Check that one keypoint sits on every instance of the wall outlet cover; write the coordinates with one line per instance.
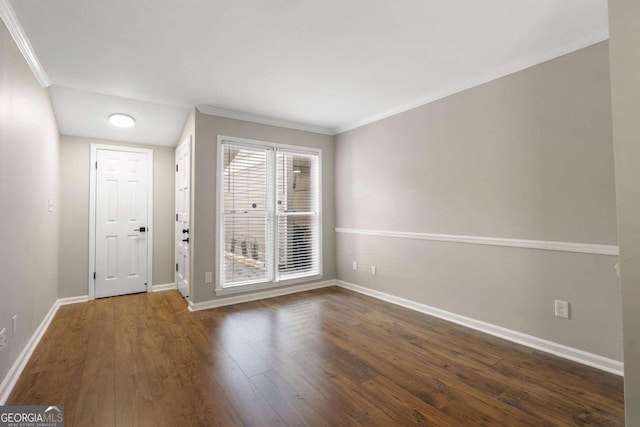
(562, 309)
(208, 277)
(3, 338)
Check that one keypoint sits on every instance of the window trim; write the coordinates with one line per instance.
(219, 246)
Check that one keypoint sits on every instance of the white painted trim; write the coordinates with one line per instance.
(254, 296)
(92, 210)
(73, 300)
(494, 74)
(187, 141)
(574, 354)
(10, 19)
(18, 366)
(256, 143)
(271, 121)
(584, 248)
(219, 246)
(10, 380)
(91, 290)
(164, 287)
(251, 287)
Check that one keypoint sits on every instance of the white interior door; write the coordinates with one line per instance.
(183, 205)
(121, 221)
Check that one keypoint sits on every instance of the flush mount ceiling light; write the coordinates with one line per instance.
(122, 120)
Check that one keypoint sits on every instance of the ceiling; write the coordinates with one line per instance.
(329, 65)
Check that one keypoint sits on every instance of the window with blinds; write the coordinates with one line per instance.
(269, 214)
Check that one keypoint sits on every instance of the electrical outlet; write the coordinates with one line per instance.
(3, 338)
(14, 325)
(373, 270)
(562, 309)
(208, 277)
(355, 265)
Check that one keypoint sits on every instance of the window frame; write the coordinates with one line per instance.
(276, 280)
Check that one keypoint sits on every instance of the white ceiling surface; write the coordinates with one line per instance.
(83, 113)
(330, 63)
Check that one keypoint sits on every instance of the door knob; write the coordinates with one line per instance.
(185, 230)
(141, 229)
(186, 240)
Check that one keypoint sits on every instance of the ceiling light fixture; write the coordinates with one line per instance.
(122, 120)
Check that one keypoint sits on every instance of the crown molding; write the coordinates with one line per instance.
(502, 71)
(238, 115)
(10, 19)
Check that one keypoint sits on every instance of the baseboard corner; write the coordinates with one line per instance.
(163, 287)
(72, 300)
(258, 295)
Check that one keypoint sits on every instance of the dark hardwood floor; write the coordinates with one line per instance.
(327, 358)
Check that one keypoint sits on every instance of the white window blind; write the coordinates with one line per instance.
(270, 214)
(297, 213)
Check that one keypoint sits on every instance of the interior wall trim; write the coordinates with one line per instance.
(496, 73)
(10, 19)
(254, 296)
(583, 248)
(570, 353)
(163, 287)
(10, 380)
(255, 118)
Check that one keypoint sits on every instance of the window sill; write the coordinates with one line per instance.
(267, 285)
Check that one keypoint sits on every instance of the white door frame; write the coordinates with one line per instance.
(92, 211)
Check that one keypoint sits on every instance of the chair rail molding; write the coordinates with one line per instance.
(584, 248)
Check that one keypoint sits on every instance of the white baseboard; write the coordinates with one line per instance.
(165, 287)
(254, 296)
(574, 354)
(72, 300)
(10, 380)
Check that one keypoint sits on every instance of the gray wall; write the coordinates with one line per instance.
(207, 129)
(75, 155)
(624, 17)
(28, 177)
(527, 156)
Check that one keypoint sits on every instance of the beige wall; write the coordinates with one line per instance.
(207, 129)
(75, 154)
(624, 17)
(28, 178)
(527, 156)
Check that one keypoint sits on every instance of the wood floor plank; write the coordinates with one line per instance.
(328, 357)
(250, 405)
(291, 405)
(133, 401)
(95, 404)
(402, 406)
